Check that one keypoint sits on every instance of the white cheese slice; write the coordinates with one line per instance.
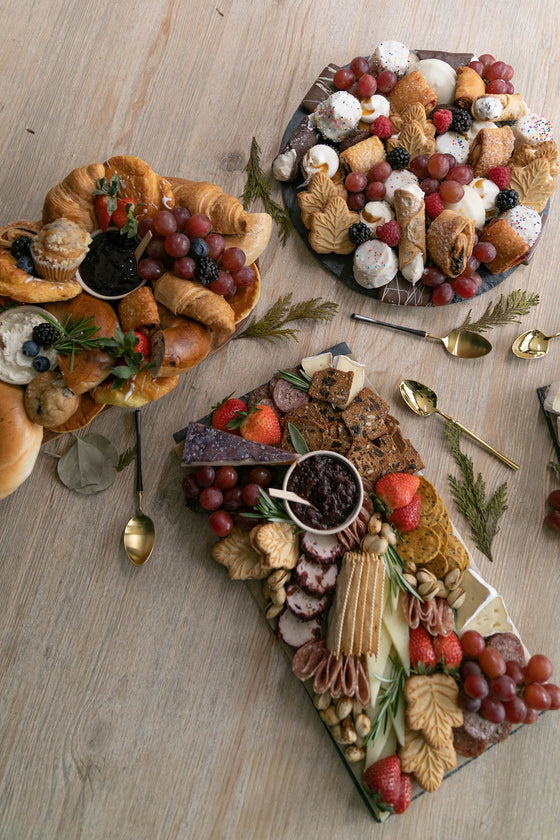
(385, 744)
(312, 364)
(395, 624)
(347, 364)
(552, 401)
(490, 618)
(398, 721)
(477, 592)
(379, 665)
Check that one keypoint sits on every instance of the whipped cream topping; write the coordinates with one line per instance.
(376, 213)
(320, 158)
(487, 107)
(476, 126)
(454, 144)
(440, 76)
(391, 55)
(399, 179)
(283, 165)
(533, 129)
(414, 270)
(375, 264)
(375, 106)
(487, 191)
(338, 115)
(526, 222)
(471, 206)
(16, 326)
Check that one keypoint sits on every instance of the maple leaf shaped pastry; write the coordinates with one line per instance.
(427, 764)
(525, 153)
(320, 191)
(236, 553)
(534, 183)
(414, 139)
(432, 707)
(329, 229)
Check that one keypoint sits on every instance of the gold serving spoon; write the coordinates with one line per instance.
(532, 344)
(423, 401)
(140, 531)
(465, 344)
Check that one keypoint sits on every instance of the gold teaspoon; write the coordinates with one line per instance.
(423, 401)
(140, 531)
(465, 344)
(532, 344)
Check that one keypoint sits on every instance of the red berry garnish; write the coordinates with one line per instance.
(389, 233)
(442, 120)
(382, 127)
(433, 204)
(500, 175)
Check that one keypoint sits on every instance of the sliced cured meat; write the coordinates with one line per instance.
(323, 548)
(303, 604)
(477, 726)
(362, 693)
(508, 645)
(314, 577)
(307, 659)
(271, 404)
(296, 632)
(287, 397)
(466, 745)
(259, 394)
(349, 677)
(502, 731)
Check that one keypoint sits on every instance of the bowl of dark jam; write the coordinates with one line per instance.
(332, 484)
(109, 270)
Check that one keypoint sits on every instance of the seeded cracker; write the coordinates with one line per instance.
(366, 416)
(419, 546)
(332, 386)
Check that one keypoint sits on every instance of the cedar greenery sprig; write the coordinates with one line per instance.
(555, 467)
(126, 458)
(389, 698)
(257, 186)
(272, 325)
(483, 514)
(505, 311)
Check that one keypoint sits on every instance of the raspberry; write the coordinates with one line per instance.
(389, 233)
(398, 157)
(433, 205)
(500, 175)
(442, 120)
(507, 200)
(382, 127)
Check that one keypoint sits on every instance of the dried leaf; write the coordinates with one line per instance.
(89, 466)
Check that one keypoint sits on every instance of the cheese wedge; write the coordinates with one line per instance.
(385, 744)
(346, 363)
(552, 401)
(398, 721)
(312, 364)
(477, 592)
(395, 624)
(379, 665)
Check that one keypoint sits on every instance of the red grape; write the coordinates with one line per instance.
(438, 165)
(386, 81)
(181, 214)
(477, 66)
(509, 88)
(472, 264)
(472, 643)
(452, 161)
(503, 688)
(251, 494)
(497, 86)
(220, 522)
(355, 182)
(465, 286)
(443, 294)
(462, 174)
(492, 709)
(451, 191)
(375, 191)
(226, 477)
(216, 245)
(433, 276)
(468, 704)
(553, 520)
(205, 476)
(484, 251)
(244, 276)
(164, 222)
(343, 79)
(223, 285)
(198, 226)
(475, 686)
(419, 166)
(232, 498)
(232, 293)
(486, 60)
(144, 226)
(233, 259)
(538, 670)
(150, 269)
(515, 671)
(359, 66)
(516, 710)
(177, 244)
(356, 201)
(531, 716)
(492, 662)
(380, 171)
(554, 499)
(429, 185)
(156, 249)
(508, 74)
(190, 487)
(469, 666)
(496, 70)
(553, 692)
(211, 498)
(537, 697)
(184, 267)
(367, 85)
(261, 476)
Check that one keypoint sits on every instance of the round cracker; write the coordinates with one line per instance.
(428, 494)
(438, 565)
(420, 545)
(457, 553)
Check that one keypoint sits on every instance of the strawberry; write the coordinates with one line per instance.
(261, 425)
(383, 778)
(124, 217)
(448, 651)
(225, 412)
(397, 489)
(405, 795)
(143, 345)
(106, 200)
(421, 649)
(407, 518)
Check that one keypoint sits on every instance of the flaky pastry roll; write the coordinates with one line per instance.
(491, 147)
(469, 87)
(510, 248)
(450, 242)
(412, 88)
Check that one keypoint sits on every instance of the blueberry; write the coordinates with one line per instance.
(199, 248)
(30, 348)
(26, 264)
(41, 363)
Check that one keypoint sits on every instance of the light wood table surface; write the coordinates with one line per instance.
(155, 702)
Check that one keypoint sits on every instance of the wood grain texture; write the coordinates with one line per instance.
(154, 703)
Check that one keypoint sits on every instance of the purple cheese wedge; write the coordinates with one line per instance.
(206, 446)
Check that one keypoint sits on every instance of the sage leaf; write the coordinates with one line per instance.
(298, 440)
(89, 466)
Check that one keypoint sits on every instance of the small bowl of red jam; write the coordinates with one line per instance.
(332, 484)
(109, 270)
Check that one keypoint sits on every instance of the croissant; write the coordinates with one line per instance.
(141, 184)
(255, 241)
(187, 298)
(17, 284)
(73, 197)
(224, 211)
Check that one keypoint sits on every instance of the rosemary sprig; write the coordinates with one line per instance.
(126, 458)
(270, 509)
(395, 568)
(299, 380)
(504, 311)
(389, 698)
(272, 325)
(74, 336)
(257, 186)
(469, 495)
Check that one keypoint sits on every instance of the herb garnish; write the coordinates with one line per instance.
(555, 467)
(298, 441)
(299, 379)
(504, 311)
(74, 336)
(126, 458)
(394, 569)
(123, 347)
(469, 495)
(390, 695)
(257, 187)
(272, 326)
(270, 509)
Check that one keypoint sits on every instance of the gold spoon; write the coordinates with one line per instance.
(465, 344)
(423, 401)
(140, 531)
(532, 344)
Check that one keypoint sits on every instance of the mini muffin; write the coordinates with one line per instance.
(48, 400)
(59, 248)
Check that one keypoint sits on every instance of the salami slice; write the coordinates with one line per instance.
(323, 548)
(303, 604)
(477, 726)
(260, 393)
(509, 646)
(316, 578)
(363, 692)
(502, 731)
(307, 659)
(296, 632)
(287, 397)
(466, 745)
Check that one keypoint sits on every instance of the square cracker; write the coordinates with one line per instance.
(332, 386)
(365, 417)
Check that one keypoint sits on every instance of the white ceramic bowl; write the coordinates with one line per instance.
(359, 487)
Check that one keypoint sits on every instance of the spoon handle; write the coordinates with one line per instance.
(511, 464)
(139, 484)
(357, 317)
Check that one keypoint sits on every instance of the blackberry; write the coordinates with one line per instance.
(461, 120)
(41, 364)
(207, 271)
(21, 247)
(398, 158)
(507, 200)
(199, 249)
(358, 233)
(45, 335)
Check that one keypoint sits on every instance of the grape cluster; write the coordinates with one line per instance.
(497, 74)
(359, 80)
(227, 494)
(503, 690)
(185, 245)
(553, 515)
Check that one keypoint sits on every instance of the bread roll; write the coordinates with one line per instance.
(20, 440)
(138, 310)
(136, 392)
(90, 366)
(180, 347)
